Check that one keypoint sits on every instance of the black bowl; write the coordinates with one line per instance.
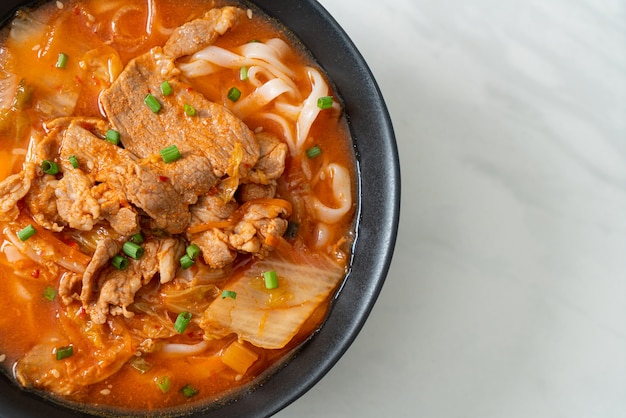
(378, 216)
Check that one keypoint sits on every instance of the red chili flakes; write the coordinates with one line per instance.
(213, 191)
(163, 179)
(35, 273)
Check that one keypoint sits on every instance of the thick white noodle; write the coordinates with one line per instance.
(260, 97)
(342, 194)
(185, 349)
(310, 110)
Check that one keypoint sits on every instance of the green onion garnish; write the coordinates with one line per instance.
(152, 103)
(163, 383)
(190, 110)
(49, 293)
(140, 364)
(132, 250)
(166, 88)
(313, 151)
(137, 238)
(234, 94)
(27, 232)
(64, 352)
(271, 279)
(189, 391)
(74, 161)
(49, 167)
(193, 251)
(182, 321)
(229, 294)
(120, 262)
(62, 60)
(112, 136)
(170, 154)
(186, 261)
(292, 230)
(325, 102)
(243, 73)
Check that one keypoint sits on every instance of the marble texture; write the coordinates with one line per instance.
(507, 293)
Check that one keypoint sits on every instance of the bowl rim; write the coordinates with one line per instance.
(378, 217)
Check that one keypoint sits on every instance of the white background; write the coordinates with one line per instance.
(507, 293)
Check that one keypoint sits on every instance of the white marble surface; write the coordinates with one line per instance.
(507, 293)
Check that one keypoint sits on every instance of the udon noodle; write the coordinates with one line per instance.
(177, 200)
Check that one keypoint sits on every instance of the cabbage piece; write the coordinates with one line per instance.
(271, 318)
(99, 351)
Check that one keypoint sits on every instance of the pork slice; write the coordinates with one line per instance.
(215, 134)
(200, 33)
(271, 163)
(117, 288)
(12, 189)
(119, 175)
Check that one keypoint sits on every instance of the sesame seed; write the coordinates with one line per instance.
(60, 4)
(105, 392)
(55, 373)
(249, 13)
(37, 47)
(91, 18)
(3, 357)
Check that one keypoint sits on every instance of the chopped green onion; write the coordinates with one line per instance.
(234, 94)
(271, 279)
(193, 251)
(186, 261)
(170, 154)
(313, 151)
(26, 233)
(62, 60)
(120, 262)
(49, 167)
(64, 352)
(163, 383)
(152, 103)
(229, 294)
(132, 250)
(140, 364)
(166, 88)
(189, 391)
(292, 230)
(243, 73)
(137, 238)
(73, 161)
(190, 110)
(182, 321)
(325, 102)
(112, 136)
(49, 293)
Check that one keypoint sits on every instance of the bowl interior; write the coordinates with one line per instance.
(378, 215)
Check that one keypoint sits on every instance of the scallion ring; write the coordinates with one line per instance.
(186, 261)
(132, 250)
(62, 60)
(182, 321)
(152, 103)
(170, 154)
(234, 94)
(26, 233)
(229, 294)
(119, 262)
(271, 279)
(112, 136)
(325, 102)
(49, 167)
(64, 352)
